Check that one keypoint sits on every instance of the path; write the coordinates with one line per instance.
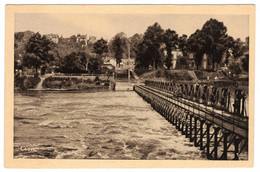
(42, 77)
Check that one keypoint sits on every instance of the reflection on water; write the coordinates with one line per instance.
(94, 125)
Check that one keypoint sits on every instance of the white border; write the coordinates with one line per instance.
(257, 72)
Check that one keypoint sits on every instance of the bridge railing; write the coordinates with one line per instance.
(228, 100)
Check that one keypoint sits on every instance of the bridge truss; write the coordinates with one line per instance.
(215, 119)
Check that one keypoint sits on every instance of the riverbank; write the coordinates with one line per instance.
(70, 83)
(26, 82)
(62, 83)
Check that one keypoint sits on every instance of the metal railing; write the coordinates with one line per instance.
(228, 100)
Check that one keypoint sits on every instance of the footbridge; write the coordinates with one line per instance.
(215, 119)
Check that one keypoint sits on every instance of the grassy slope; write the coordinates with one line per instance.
(170, 75)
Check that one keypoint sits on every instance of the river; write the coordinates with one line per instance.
(94, 125)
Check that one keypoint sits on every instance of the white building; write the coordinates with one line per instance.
(82, 39)
(53, 37)
(175, 54)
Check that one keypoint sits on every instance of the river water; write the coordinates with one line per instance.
(94, 125)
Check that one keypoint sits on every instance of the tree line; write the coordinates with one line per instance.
(67, 56)
(34, 51)
(212, 40)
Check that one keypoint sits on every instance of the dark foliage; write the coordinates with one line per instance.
(171, 41)
(38, 52)
(101, 47)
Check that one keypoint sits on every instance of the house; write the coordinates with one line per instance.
(53, 37)
(191, 61)
(204, 63)
(175, 54)
(128, 63)
(82, 39)
(92, 39)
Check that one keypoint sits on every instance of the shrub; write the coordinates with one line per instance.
(106, 84)
(24, 83)
(96, 79)
(235, 67)
(18, 81)
(88, 81)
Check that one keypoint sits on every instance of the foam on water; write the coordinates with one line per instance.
(96, 125)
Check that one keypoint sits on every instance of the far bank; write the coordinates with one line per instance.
(63, 82)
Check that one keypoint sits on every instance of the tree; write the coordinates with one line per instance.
(171, 40)
(21, 39)
(182, 61)
(118, 46)
(142, 59)
(74, 63)
(245, 63)
(196, 45)
(214, 34)
(31, 61)
(235, 66)
(19, 36)
(238, 48)
(228, 43)
(151, 49)
(38, 52)
(100, 47)
(73, 38)
(94, 65)
(135, 40)
(183, 45)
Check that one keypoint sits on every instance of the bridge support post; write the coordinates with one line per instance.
(225, 144)
(182, 127)
(195, 131)
(173, 117)
(177, 122)
(183, 123)
(191, 138)
(201, 134)
(216, 143)
(237, 140)
(186, 125)
(208, 138)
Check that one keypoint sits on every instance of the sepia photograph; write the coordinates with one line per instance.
(128, 84)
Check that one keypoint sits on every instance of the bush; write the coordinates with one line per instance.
(52, 82)
(235, 67)
(18, 81)
(71, 83)
(88, 81)
(24, 82)
(140, 71)
(106, 84)
(159, 73)
(32, 82)
(96, 79)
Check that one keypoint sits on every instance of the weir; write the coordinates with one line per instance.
(214, 119)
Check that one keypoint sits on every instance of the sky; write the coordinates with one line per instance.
(107, 25)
